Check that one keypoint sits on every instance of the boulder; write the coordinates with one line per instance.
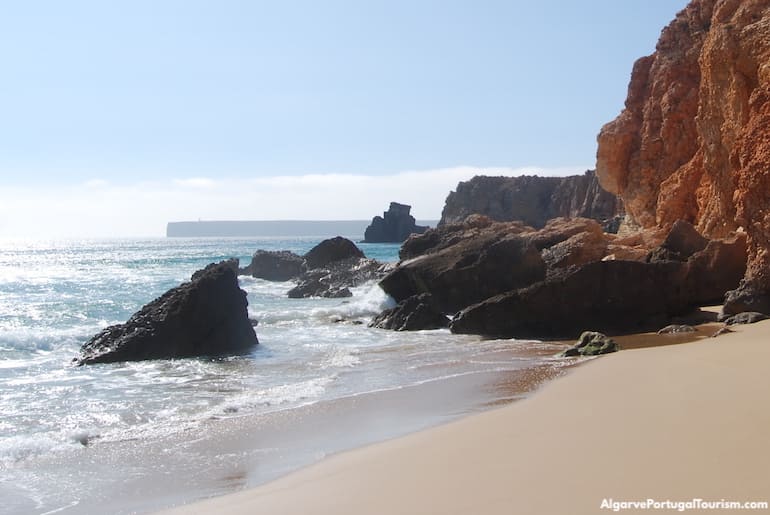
(206, 316)
(336, 278)
(394, 226)
(748, 296)
(591, 343)
(331, 250)
(468, 270)
(579, 249)
(416, 313)
(617, 296)
(281, 265)
(682, 241)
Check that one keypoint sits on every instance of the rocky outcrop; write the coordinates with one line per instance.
(693, 142)
(394, 226)
(416, 313)
(333, 267)
(206, 316)
(610, 296)
(281, 265)
(531, 200)
(467, 264)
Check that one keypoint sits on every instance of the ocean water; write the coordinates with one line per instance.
(55, 295)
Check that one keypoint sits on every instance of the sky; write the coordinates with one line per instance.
(118, 117)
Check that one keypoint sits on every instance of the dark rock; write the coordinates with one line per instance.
(468, 269)
(530, 199)
(335, 279)
(682, 241)
(748, 296)
(416, 313)
(271, 265)
(747, 317)
(608, 295)
(716, 269)
(331, 250)
(677, 329)
(204, 317)
(394, 226)
(591, 343)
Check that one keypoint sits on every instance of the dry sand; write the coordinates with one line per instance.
(675, 423)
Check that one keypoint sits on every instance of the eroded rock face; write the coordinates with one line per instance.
(531, 200)
(206, 316)
(394, 226)
(274, 265)
(693, 141)
(415, 313)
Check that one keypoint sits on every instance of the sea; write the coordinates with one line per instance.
(143, 436)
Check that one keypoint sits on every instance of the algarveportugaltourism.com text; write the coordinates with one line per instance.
(693, 504)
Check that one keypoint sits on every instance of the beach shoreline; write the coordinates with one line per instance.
(672, 423)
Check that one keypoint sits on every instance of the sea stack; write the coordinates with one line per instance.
(394, 226)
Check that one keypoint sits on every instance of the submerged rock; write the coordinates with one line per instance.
(591, 343)
(206, 316)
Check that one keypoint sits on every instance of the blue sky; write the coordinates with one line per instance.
(154, 100)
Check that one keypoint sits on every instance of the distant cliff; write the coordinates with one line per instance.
(693, 141)
(531, 199)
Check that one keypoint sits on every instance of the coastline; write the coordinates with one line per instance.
(677, 422)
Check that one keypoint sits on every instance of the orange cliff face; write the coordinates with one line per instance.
(693, 141)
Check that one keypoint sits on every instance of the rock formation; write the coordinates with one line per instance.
(415, 313)
(507, 279)
(531, 200)
(281, 265)
(693, 142)
(206, 316)
(394, 226)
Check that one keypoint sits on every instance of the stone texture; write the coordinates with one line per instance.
(331, 250)
(281, 265)
(591, 343)
(394, 226)
(693, 142)
(614, 296)
(206, 316)
(531, 200)
(415, 313)
(747, 317)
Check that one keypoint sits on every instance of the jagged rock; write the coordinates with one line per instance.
(331, 250)
(416, 313)
(748, 317)
(394, 226)
(472, 265)
(578, 249)
(683, 241)
(206, 316)
(271, 265)
(692, 142)
(532, 200)
(591, 343)
(607, 295)
(677, 329)
(333, 267)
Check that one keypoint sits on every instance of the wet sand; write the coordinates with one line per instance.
(667, 423)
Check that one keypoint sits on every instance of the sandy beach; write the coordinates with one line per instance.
(673, 423)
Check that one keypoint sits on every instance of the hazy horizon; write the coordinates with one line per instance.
(120, 117)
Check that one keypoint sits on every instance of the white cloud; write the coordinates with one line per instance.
(102, 209)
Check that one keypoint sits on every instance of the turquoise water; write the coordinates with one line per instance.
(55, 295)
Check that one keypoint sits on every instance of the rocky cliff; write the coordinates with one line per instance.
(532, 200)
(693, 141)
